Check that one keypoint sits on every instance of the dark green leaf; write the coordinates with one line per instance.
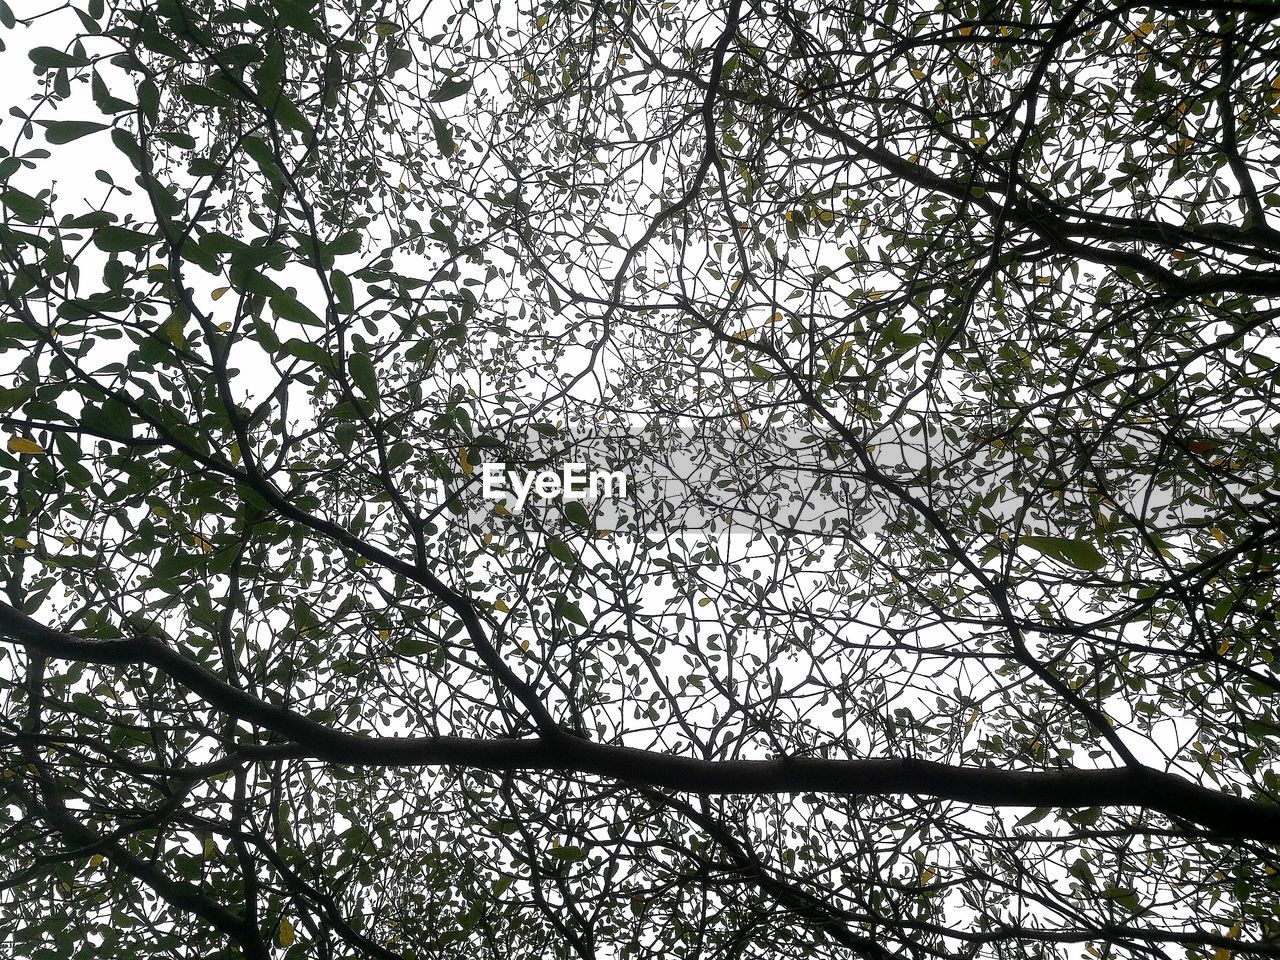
(113, 239)
(64, 131)
(1080, 554)
(25, 207)
(362, 372)
(49, 58)
(451, 89)
(289, 307)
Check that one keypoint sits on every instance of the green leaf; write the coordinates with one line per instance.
(290, 116)
(49, 58)
(561, 551)
(1035, 816)
(444, 136)
(361, 369)
(121, 239)
(95, 218)
(102, 97)
(1124, 896)
(111, 418)
(341, 286)
(24, 206)
(346, 243)
(202, 96)
(64, 131)
(414, 646)
(305, 350)
(289, 307)
(296, 14)
(450, 89)
(577, 513)
(1080, 554)
(128, 145)
(183, 140)
(570, 611)
(569, 854)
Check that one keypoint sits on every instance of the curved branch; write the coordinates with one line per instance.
(1222, 814)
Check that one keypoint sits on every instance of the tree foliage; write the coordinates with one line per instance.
(998, 682)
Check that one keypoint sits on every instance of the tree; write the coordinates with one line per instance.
(963, 317)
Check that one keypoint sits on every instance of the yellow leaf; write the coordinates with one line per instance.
(965, 31)
(23, 445)
(224, 326)
(284, 933)
(704, 601)
(1223, 647)
(1217, 535)
(826, 216)
(917, 74)
(217, 294)
(69, 541)
(500, 510)
(501, 606)
(235, 452)
(743, 334)
(1222, 953)
(601, 534)
(21, 544)
(173, 330)
(385, 28)
(202, 543)
(462, 459)
(95, 861)
(927, 876)
(210, 848)
(524, 644)
(1141, 32)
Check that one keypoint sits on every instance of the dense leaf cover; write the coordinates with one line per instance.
(277, 272)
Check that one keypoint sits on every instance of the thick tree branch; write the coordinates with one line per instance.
(1222, 814)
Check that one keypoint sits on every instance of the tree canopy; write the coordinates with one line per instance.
(946, 333)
